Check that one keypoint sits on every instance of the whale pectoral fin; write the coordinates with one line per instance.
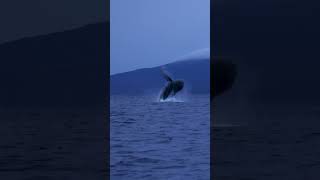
(165, 75)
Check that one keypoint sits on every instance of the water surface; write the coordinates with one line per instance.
(160, 140)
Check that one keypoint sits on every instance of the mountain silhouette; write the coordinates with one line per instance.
(60, 69)
(195, 73)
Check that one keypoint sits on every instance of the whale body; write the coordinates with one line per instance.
(223, 76)
(172, 87)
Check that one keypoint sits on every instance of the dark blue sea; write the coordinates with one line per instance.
(266, 141)
(160, 140)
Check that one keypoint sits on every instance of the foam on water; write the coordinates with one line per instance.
(172, 99)
(182, 96)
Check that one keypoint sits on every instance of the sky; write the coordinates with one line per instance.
(148, 33)
(25, 18)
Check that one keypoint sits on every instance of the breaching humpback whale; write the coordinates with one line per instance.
(172, 86)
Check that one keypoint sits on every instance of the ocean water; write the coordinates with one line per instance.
(53, 144)
(160, 140)
(267, 142)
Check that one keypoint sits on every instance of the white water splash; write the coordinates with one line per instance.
(172, 99)
(182, 96)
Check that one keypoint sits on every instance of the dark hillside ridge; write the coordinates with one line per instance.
(62, 69)
(195, 73)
